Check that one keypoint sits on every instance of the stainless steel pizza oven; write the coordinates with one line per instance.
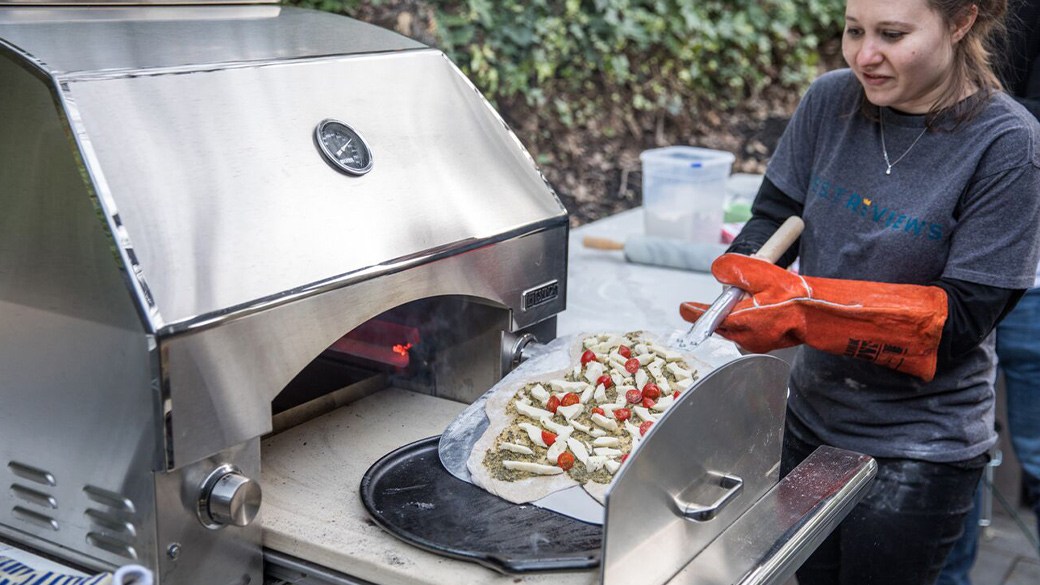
(248, 250)
(210, 210)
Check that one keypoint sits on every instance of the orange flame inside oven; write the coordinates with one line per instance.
(380, 341)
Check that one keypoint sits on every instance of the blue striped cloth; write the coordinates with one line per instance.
(13, 572)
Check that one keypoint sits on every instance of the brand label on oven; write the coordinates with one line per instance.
(540, 295)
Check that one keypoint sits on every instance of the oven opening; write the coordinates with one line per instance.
(452, 347)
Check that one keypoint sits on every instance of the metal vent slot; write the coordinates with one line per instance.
(34, 497)
(109, 498)
(111, 522)
(35, 518)
(31, 473)
(112, 545)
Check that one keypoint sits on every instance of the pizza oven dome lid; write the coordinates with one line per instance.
(205, 155)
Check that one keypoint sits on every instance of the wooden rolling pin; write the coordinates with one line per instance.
(657, 251)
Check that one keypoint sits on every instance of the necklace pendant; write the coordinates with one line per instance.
(888, 171)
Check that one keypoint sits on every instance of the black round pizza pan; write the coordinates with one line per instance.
(410, 495)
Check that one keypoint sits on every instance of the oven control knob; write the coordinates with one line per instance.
(231, 499)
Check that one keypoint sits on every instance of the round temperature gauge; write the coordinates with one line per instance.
(343, 147)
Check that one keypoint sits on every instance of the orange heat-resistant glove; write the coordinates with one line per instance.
(897, 326)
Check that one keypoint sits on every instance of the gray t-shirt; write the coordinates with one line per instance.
(963, 204)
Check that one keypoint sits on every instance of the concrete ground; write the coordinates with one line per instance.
(1006, 555)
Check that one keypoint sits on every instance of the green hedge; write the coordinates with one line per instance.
(646, 54)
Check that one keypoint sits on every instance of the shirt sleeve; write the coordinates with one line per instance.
(972, 311)
(770, 209)
(997, 218)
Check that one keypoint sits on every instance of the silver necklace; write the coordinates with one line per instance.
(884, 150)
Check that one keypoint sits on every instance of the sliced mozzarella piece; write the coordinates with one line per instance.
(639, 348)
(610, 407)
(540, 394)
(560, 430)
(533, 431)
(602, 421)
(641, 378)
(592, 371)
(655, 370)
(645, 358)
(515, 448)
(555, 450)
(571, 411)
(533, 467)
(601, 394)
(580, 427)
(665, 353)
(596, 462)
(531, 411)
(578, 448)
(576, 372)
(633, 431)
(662, 404)
(617, 377)
(612, 466)
(567, 386)
(607, 452)
(645, 414)
(665, 387)
(586, 394)
(677, 371)
(598, 432)
(606, 442)
(684, 384)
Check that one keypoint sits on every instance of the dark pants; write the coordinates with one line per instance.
(901, 531)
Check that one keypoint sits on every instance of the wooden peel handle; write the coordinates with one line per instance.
(781, 240)
(602, 243)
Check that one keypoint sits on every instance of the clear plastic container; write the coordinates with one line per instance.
(684, 192)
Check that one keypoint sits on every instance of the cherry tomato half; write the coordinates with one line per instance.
(643, 428)
(587, 357)
(622, 414)
(634, 396)
(651, 391)
(624, 351)
(598, 411)
(632, 366)
(624, 457)
(565, 461)
(676, 395)
(552, 404)
(648, 403)
(606, 380)
(549, 438)
(569, 399)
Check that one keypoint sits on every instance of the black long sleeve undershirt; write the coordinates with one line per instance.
(973, 310)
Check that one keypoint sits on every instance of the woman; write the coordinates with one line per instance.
(919, 182)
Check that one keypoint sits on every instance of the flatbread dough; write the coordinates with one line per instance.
(529, 488)
(523, 490)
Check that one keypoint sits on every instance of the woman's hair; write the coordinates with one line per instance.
(972, 59)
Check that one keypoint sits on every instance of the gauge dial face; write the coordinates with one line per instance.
(343, 147)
